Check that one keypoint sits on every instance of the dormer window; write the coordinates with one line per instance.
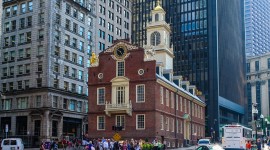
(161, 71)
(156, 17)
(120, 68)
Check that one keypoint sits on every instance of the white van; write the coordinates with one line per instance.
(12, 144)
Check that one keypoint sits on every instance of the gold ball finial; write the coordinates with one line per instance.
(158, 7)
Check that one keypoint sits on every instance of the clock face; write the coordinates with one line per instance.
(120, 52)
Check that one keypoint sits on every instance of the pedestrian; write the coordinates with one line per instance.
(259, 144)
(137, 147)
(124, 146)
(116, 146)
(248, 145)
(155, 143)
(41, 147)
(105, 145)
(64, 143)
(52, 145)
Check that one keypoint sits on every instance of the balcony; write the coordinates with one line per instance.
(118, 108)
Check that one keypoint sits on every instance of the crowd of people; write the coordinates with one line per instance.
(258, 145)
(101, 144)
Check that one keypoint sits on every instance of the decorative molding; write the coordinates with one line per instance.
(100, 75)
(120, 59)
(149, 54)
(140, 72)
(129, 47)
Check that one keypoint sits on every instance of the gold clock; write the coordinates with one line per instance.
(120, 51)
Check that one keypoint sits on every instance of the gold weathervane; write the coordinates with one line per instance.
(198, 92)
(93, 58)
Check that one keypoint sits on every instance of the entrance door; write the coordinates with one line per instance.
(186, 130)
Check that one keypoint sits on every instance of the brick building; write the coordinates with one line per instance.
(133, 87)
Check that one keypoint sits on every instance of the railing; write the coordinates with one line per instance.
(113, 107)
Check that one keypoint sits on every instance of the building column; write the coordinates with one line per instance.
(60, 128)
(30, 124)
(13, 125)
(45, 124)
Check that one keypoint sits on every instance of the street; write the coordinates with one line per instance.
(215, 147)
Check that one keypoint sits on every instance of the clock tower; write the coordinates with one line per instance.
(158, 38)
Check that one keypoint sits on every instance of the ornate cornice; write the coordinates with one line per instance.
(129, 47)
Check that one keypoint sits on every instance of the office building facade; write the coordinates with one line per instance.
(113, 22)
(258, 84)
(257, 18)
(208, 40)
(45, 50)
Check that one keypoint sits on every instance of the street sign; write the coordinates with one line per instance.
(117, 137)
(6, 128)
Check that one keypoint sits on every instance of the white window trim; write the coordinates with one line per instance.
(98, 95)
(117, 68)
(172, 125)
(177, 126)
(137, 122)
(137, 93)
(181, 104)
(177, 102)
(181, 126)
(167, 98)
(168, 144)
(161, 95)
(162, 122)
(124, 121)
(172, 99)
(167, 124)
(185, 105)
(98, 123)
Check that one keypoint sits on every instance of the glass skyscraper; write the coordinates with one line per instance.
(208, 40)
(257, 18)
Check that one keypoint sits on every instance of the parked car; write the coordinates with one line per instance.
(12, 144)
(205, 142)
(204, 147)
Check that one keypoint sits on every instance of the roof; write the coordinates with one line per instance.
(158, 8)
(179, 88)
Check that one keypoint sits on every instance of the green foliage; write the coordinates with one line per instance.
(147, 146)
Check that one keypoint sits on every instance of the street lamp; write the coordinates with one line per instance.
(255, 113)
(266, 126)
(262, 117)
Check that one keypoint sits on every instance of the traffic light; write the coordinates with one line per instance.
(117, 128)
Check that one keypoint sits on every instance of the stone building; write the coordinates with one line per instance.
(258, 84)
(113, 22)
(45, 48)
(134, 88)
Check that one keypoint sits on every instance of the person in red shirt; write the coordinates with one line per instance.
(248, 145)
(64, 143)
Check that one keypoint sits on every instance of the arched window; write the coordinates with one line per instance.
(155, 38)
(156, 17)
